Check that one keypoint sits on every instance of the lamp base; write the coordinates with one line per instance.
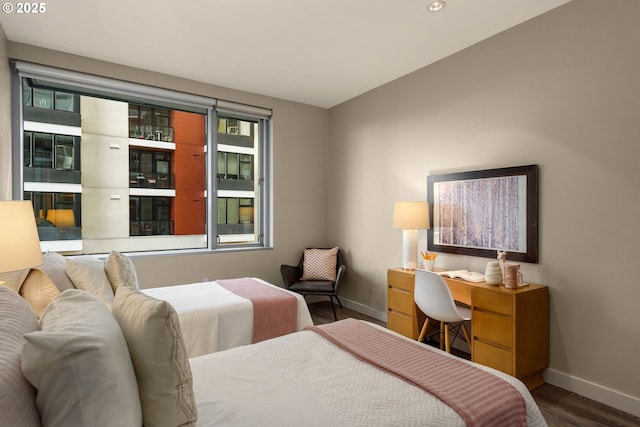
(409, 249)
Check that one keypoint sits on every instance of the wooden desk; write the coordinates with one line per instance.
(509, 327)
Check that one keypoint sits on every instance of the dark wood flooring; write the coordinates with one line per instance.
(559, 407)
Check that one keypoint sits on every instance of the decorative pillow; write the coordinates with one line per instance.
(39, 290)
(17, 396)
(80, 365)
(120, 271)
(55, 266)
(159, 357)
(319, 264)
(87, 272)
(14, 279)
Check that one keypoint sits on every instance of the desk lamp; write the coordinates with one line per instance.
(410, 217)
(19, 242)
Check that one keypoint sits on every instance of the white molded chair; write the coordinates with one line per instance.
(433, 297)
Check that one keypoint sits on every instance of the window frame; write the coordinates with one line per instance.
(104, 87)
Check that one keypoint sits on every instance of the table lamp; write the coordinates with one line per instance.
(410, 217)
(19, 242)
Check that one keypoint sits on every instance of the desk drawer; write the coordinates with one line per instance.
(400, 300)
(400, 279)
(401, 324)
(494, 357)
(493, 328)
(493, 301)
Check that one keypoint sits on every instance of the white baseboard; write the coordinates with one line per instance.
(361, 308)
(597, 392)
(355, 306)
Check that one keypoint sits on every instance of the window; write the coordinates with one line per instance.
(45, 153)
(181, 162)
(150, 216)
(57, 215)
(238, 191)
(150, 169)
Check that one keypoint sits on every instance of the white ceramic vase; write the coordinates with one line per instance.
(493, 273)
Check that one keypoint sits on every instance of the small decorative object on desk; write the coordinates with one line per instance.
(512, 276)
(502, 258)
(429, 259)
(493, 273)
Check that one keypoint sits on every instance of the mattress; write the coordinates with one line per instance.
(213, 318)
(304, 379)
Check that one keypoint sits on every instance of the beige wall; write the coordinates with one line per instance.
(299, 156)
(562, 91)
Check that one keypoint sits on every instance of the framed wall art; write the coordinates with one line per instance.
(480, 212)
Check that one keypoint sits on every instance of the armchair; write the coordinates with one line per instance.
(319, 272)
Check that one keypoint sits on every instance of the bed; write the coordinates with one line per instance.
(307, 379)
(128, 366)
(214, 315)
(223, 314)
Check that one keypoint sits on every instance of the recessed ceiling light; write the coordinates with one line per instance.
(436, 6)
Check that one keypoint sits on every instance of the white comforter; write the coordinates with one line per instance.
(214, 319)
(303, 380)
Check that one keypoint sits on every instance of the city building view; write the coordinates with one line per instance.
(105, 174)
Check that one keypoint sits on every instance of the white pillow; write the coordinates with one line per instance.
(80, 365)
(87, 272)
(152, 331)
(17, 396)
(120, 271)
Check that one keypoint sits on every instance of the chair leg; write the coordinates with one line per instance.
(333, 307)
(423, 332)
(338, 299)
(442, 326)
(446, 337)
(466, 335)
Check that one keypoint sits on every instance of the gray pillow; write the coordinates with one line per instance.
(17, 396)
(80, 364)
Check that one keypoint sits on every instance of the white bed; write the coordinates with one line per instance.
(213, 318)
(303, 379)
(61, 370)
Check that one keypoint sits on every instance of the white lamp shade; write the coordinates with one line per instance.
(19, 242)
(411, 215)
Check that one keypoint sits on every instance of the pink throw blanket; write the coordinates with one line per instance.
(275, 312)
(480, 398)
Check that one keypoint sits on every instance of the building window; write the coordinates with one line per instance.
(150, 169)
(51, 158)
(180, 161)
(150, 123)
(47, 99)
(57, 215)
(150, 216)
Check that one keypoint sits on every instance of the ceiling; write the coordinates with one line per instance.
(318, 52)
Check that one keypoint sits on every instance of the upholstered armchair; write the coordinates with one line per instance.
(319, 272)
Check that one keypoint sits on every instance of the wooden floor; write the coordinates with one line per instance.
(559, 407)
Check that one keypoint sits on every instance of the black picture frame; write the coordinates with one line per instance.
(470, 212)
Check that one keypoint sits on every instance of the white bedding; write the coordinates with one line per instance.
(302, 379)
(213, 318)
